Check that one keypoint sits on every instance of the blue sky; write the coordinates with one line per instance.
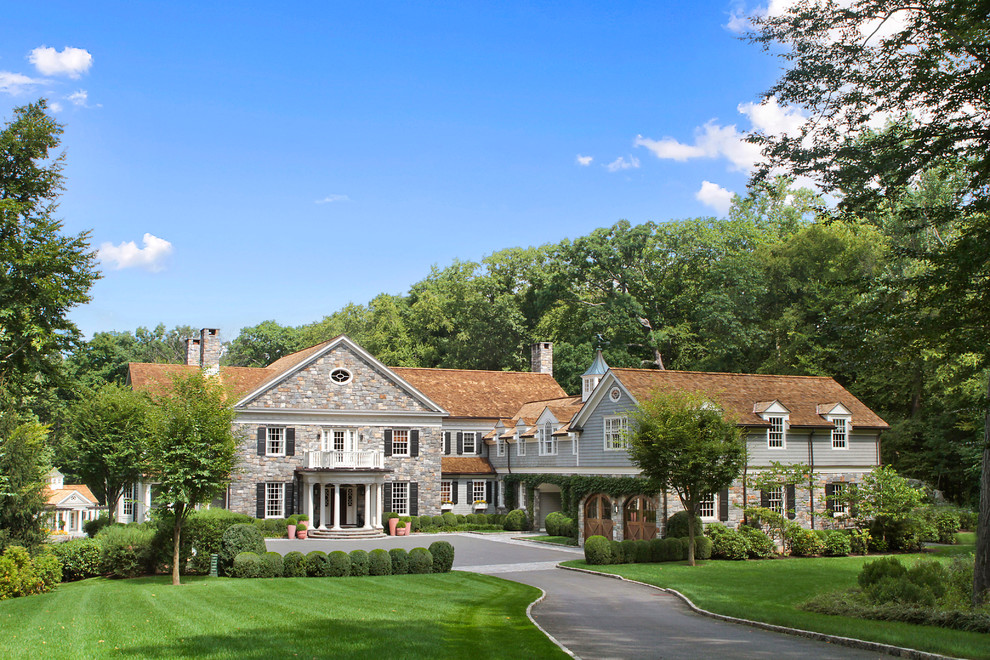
(283, 159)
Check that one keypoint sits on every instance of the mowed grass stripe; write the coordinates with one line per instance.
(437, 616)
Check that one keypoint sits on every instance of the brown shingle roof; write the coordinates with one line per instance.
(465, 465)
(485, 394)
(55, 496)
(739, 393)
(157, 378)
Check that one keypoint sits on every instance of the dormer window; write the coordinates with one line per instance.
(776, 415)
(840, 433)
(776, 434)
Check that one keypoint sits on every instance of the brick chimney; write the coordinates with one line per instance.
(542, 358)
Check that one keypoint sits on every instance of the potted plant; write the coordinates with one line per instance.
(400, 528)
(290, 526)
(446, 505)
(301, 529)
(480, 505)
(393, 520)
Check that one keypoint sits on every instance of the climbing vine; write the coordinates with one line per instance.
(574, 488)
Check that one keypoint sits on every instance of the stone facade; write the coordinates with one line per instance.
(541, 360)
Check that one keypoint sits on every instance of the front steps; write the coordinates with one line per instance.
(346, 533)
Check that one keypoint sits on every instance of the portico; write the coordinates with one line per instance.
(338, 500)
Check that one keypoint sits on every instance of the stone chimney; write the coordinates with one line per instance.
(542, 358)
(193, 356)
(204, 351)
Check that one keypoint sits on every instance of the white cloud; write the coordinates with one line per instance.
(669, 149)
(78, 97)
(772, 118)
(621, 163)
(715, 196)
(16, 83)
(584, 161)
(55, 106)
(129, 255)
(738, 21)
(333, 198)
(72, 62)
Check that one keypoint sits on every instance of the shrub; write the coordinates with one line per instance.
(569, 528)
(420, 561)
(203, 531)
(460, 519)
(727, 543)
(873, 571)
(439, 521)
(246, 565)
(967, 520)
(643, 553)
(656, 550)
(449, 519)
(400, 561)
(414, 523)
(515, 521)
(836, 543)
(859, 541)
(677, 525)
(496, 519)
(552, 523)
(20, 575)
(294, 564)
(272, 528)
(931, 575)
(379, 562)
(899, 590)
(597, 550)
(805, 543)
(126, 550)
(48, 568)
(628, 551)
(272, 565)
(672, 549)
(359, 563)
(80, 558)
(702, 547)
(759, 545)
(93, 527)
(618, 552)
(317, 564)
(947, 524)
(240, 538)
(443, 556)
(338, 564)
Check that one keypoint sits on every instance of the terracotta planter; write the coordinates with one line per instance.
(292, 531)
(402, 531)
(301, 533)
(392, 522)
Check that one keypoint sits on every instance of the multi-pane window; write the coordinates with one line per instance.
(615, 432)
(469, 446)
(839, 432)
(775, 434)
(775, 499)
(706, 508)
(478, 491)
(838, 503)
(548, 445)
(445, 492)
(400, 443)
(574, 444)
(500, 446)
(520, 446)
(129, 495)
(400, 497)
(334, 440)
(274, 500)
(275, 441)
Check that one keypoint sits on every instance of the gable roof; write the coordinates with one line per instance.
(482, 394)
(738, 394)
(59, 495)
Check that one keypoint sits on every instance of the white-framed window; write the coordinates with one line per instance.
(589, 385)
(548, 444)
(706, 508)
(400, 443)
(446, 494)
(500, 446)
(469, 445)
(336, 440)
(838, 503)
(340, 376)
(520, 446)
(274, 500)
(400, 497)
(275, 441)
(129, 495)
(574, 443)
(775, 499)
(776, 433)
(615, 433)
(840, 433)
(477, 491)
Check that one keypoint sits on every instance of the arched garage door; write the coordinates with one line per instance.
(598, 516)
(639, 520)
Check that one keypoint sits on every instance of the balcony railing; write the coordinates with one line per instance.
(345, 459)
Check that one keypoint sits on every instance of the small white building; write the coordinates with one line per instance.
(69, 505)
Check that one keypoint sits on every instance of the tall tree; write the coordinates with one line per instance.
(108, 428)
(43, 273)
(191, 449)
(24, 465)
(683, 441)
(262, 344)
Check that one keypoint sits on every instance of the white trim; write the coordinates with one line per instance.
(770, 417)
(279, 498)
(408, 441)
(582, 415)
(318, 417)
(333, 381)
(603, 471)
(623, 428)
(546, 443)
(269, 440)
(520, 445)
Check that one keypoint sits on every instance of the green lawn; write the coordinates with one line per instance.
(769, 590)
(559, 540)
(455, 615)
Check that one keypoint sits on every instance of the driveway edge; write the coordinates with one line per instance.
(529, 613)
(888, 649)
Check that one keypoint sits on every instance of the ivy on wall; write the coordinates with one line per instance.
(575, 488)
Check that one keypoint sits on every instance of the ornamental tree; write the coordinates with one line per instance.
(191, 449)
(684, 441)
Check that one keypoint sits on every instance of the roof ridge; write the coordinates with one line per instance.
(719, 373)
(483, 371)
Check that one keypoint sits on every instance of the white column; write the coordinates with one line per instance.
(367, 506)
(375, 509)
(323, 506)
(309, 499)
(336, 506)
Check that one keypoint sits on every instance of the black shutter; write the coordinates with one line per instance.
(496, 489)
(460, 443)
(290, 499)
(446, 442)
(479, 442)
(764, 499)
(791, 504)
(453, 491)
(290, 442)
(723, 505)
(387, 497)
(260, 512)
(388, 442)
(414, 443)
(262, 436)
(413, 498)
(490, 492)
(852, 507)
(829, 503)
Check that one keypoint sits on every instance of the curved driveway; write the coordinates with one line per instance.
(599, 617)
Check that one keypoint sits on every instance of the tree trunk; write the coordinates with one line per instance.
(981, 575)
(176, 530)
(690, 508)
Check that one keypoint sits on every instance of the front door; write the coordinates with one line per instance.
(598, 517)
(640, 518)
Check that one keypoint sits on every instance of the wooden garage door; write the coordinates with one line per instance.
(598, 516)
(640, 518)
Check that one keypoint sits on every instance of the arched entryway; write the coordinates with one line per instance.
(598, 516)
(639, 518)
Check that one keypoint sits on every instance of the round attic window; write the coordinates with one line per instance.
(340, 376)
(614, 394)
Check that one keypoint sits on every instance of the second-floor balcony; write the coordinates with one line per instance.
(333, 460)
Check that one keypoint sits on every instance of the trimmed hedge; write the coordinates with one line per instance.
(359, 563)
(420, 561)
(246, 565)
(449, 519)
(317, 564)
(727, 543)
(443, 556)
(379, 562)
(400, 561)
(294, 564)
(338, 564)
(126, 551)
(677, 525)
(515, 521)
(272, 565)
(598, 551)
(80, 558)
(237, 539)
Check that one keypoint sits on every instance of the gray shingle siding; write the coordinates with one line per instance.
(592, 448)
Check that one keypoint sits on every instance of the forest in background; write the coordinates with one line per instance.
(778, 286)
